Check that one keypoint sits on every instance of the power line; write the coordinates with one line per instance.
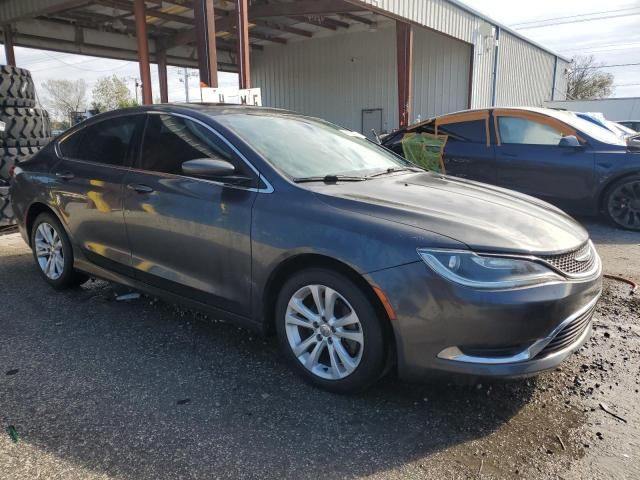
(574, 16)
(565, 22)
(607, 66)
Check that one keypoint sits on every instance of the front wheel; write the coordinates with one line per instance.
(622, 203)
(330, 331)
(53, 253)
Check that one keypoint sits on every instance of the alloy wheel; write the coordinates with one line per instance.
(324, 332)
(49, 253)
(624, 205)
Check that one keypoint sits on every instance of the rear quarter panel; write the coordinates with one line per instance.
(31, 185)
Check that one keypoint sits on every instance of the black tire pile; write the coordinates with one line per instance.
(26, 128)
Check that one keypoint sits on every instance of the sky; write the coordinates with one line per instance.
(613, 40)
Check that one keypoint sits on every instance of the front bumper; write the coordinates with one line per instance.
(441, 326)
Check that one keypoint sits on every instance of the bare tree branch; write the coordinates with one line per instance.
(586, 81)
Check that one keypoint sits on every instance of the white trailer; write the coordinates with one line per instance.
(616, 109)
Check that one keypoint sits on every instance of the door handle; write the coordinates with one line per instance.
(140, 188)
(65, 175)
(511, 155)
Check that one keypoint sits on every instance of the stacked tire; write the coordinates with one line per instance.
(24, 129)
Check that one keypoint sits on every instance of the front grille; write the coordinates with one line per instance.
(573, 263)
(569, 334)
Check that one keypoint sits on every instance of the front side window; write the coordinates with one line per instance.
(474, 131)
(105, 142)
(302, 147)
(169, 141)
(523, 131)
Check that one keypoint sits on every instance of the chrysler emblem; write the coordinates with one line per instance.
(583, 257)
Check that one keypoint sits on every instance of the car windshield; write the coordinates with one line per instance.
(596, 132)
(303, 147)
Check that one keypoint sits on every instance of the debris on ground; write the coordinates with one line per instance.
(606, 409)
(13, 433)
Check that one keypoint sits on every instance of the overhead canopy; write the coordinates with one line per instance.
(107, 28)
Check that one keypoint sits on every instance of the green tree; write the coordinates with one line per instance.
(111, 93)
(586, 81)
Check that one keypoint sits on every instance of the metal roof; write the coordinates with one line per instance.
(513, 32)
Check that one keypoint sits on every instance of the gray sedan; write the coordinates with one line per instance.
(359, 261)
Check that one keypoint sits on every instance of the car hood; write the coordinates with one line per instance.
(484, 217)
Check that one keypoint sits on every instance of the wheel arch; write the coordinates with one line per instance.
(304, 261)
(606, 188)
(34, 210)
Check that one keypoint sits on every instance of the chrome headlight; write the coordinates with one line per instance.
(486, 271)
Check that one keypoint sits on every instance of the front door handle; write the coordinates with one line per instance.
(140, 188)
(65, 175)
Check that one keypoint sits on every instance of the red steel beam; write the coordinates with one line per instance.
(244, 67)
(8, 45)
(205, 31)
(404, 44)
(143, 51)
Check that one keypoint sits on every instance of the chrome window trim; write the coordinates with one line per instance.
(455, 354)
(267, 189)
(60, 155)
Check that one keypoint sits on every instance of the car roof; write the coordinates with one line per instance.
(211, 109)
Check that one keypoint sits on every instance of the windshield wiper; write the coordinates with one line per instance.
(330, 179)
(393, 170)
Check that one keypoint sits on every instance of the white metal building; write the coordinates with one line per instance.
(461, 59)
(616, 109)
(361, 63)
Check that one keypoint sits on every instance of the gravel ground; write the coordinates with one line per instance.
(101, 389)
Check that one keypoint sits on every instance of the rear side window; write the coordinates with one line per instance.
(169, 141)
(522, 131)
(474, 131)
(105, 142)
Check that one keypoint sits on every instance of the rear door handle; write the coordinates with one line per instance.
(510, 155)
(140, 188)
(65, 175)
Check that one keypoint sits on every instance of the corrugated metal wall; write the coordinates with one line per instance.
(440, 74)
(447, 17)
(331, 77)
(561, 80)
(337, 76)
(525, 73)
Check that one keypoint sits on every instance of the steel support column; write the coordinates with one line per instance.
(404, 56)
(244, 66)
(143, 51)
(204, 16)
(496, 60)
(161, 58)
(8, 45)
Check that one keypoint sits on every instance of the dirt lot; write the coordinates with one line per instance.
(97, 388)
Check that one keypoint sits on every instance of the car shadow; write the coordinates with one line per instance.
(143, 389)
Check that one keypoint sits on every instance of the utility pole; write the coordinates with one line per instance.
(186, 84)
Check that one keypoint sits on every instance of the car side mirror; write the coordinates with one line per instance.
(570, 141)
(208, 168)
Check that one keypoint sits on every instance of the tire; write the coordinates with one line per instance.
(622, 203)
(24, 127)
(364, 352)
(64, 276)
(12, 156)
(16, 87)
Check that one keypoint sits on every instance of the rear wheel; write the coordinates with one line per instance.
(622, 203)
(53, 253)
(330, 331)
